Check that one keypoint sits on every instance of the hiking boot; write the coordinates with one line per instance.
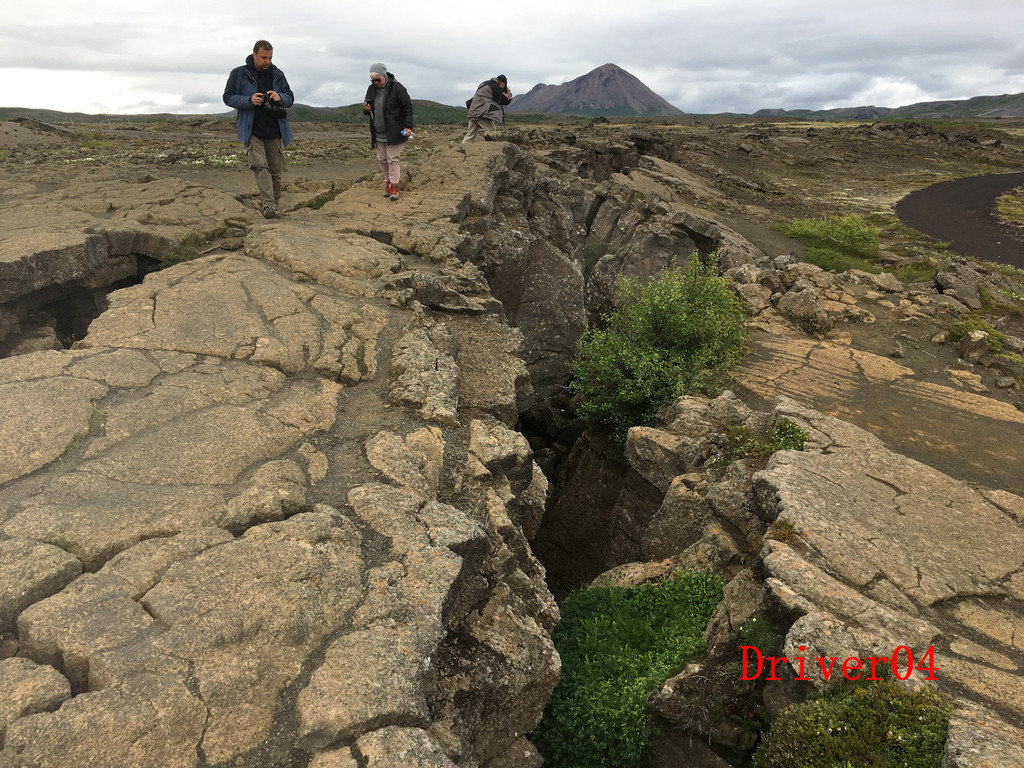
(393, 191)
(387, 189)
(270, 212)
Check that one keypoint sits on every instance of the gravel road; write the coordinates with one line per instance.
(961, 212)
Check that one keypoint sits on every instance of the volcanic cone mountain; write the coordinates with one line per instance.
(608, 90)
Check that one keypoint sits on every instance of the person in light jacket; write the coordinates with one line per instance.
(390, 110)
(486, 108)
(261, 94)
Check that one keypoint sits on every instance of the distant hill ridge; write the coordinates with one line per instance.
(427, 113)
(982, 107)
(608, 91)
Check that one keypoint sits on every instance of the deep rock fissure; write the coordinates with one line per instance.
(552, 290)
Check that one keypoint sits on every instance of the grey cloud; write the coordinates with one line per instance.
(1013, 63)
(729, 56)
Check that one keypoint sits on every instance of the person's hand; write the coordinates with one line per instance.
(257, 99)
(366, 107)
(274, 95)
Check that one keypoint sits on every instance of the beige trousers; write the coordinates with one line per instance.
(477, 129)
(266, 160)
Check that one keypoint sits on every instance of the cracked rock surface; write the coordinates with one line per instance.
(250, 516)
(272, 508)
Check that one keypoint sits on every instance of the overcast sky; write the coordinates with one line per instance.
(703, 56)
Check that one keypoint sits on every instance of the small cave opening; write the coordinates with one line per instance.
(57, 316)
(552, 428)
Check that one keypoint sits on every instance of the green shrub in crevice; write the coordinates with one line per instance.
(759, 632)
(1003, 269)
(617, 645)
(990, 305)
(316, 203)
(1013, 357)
(784, 530)
(681, 332)
(876, 725)
(917, 272)
(187, 249)
(832, 260)
(1012, 296)
(785, 435)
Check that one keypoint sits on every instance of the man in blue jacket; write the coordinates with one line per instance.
(261, 94)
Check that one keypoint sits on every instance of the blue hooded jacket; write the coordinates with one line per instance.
(238, 93)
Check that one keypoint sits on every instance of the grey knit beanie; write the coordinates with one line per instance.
(378, 69)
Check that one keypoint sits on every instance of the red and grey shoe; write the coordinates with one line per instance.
(393, 191)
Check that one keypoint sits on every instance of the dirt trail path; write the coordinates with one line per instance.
(960, 212)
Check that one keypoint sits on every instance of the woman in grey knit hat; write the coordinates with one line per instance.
(391, 123)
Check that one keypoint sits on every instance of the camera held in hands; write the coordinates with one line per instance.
(273, 108)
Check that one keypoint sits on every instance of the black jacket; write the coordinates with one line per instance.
(397, 110)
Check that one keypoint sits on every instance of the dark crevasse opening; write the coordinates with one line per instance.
(59, 315)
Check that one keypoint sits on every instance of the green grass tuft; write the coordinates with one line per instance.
(881, 725)
(316, 203)
(618, 645)
(592, 254)
(186, 250)
(191, 247)
(838, 243)
(917, 272)
(785, 435)
(1010, 207)
(974, 323)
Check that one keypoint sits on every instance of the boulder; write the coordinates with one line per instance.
(803, 305)
(426, 375)
(973, 346)
(151, 721)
